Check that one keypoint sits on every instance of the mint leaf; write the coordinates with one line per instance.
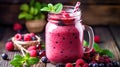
(51, 7)
(45, 9)
(58, 7)
(100, 50)
(32, 60)
(16, 63)
(107, 52)
(18, 57)
(95, 46)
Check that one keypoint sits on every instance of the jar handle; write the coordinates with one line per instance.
(91, 38)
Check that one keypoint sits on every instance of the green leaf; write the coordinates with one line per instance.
(24, 7)
(95, 46)
(51, 7)
(37, 5)
(32, 60)
(16, 63)
(27, 56)
(31, 10)
(25, 16)
(58, 7)
(22, 15)
(45, 9)
(107, 52)
(18, 57)
(32, 2)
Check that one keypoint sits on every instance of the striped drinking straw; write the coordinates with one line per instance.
(76, 7)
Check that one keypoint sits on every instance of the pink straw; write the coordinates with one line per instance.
(76, 7)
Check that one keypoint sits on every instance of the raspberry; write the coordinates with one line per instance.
(79, 62)
(33, 53)
(69, 65)
(31, 48)
(9, 46)
(27, 37)
(78, 66)
(17, 27)
(18, 37)
(97, 39)
(32, 34)
(85, 65)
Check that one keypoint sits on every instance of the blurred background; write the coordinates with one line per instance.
(94, 12)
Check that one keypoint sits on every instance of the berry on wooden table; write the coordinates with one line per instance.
(4, 56)
(80, 62)
(9, 46)
(85, 65)
(33, 53)
(69, 65)
(97, 39)
(44, 59)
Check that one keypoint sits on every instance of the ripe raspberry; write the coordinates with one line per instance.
(31, 48)
(69, 65)
(17, 26)
(32, 34)
(27, 37)
(78, 66)
(18, 36)
(80, 62)
(9, 46)
(33, 53)
(85, 65)
(97, 39)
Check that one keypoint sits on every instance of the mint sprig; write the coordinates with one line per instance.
(100, 50)
(19, 61)
(57, 8)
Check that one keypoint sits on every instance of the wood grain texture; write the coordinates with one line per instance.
(115, 30)
(107, 42)
(101, 14)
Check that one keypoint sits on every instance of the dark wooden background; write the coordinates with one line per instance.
(94, 12)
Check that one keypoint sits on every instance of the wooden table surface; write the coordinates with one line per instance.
(110, 39)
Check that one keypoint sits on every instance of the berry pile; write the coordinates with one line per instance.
(25, 37)
(34, 50)
(92, 59)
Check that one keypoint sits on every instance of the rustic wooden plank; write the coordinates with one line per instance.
(101, 14)
(6, 63)
(107, 41)
(115, 30)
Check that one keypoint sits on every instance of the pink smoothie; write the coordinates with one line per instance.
(63, 42)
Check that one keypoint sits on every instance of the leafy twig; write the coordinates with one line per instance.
(100, 50)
